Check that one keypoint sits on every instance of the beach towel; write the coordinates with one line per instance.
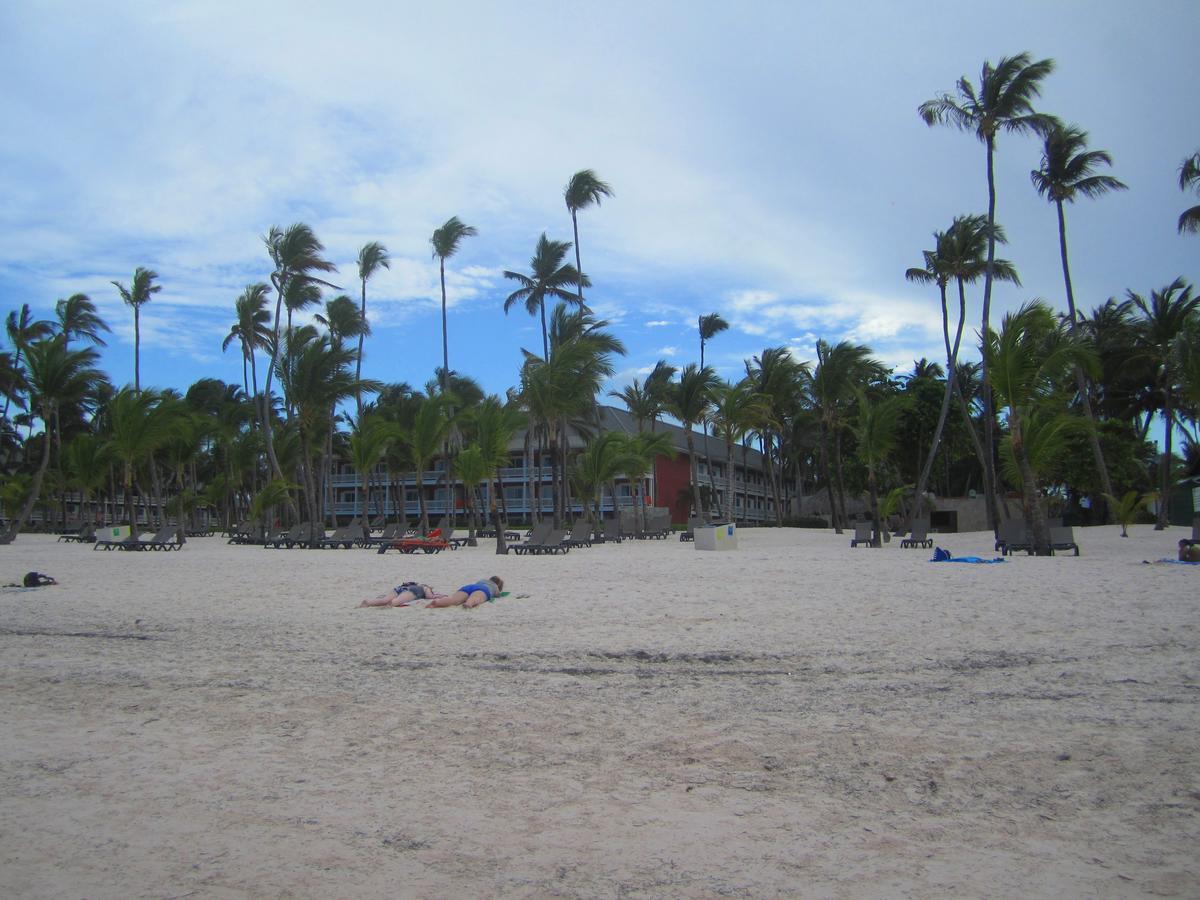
(1172, 562)
(940, 555)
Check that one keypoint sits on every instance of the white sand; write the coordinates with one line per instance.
(793, 718)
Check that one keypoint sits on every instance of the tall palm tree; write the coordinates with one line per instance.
(137, 295)
(493, 424)
(877, 429)
(1029, 357)
(710, 326)
(692, 397)
(1189, 179)
(472, 469)
(548, 277)
(959, 254)
(371, 258)
(296, 254)
(343, 320)
(367, 447)
(735, 409)
(22, 330)
(1068, 170)
(602, 459)
(57, 376)
(446, 241)
(583, 190)
(252, 329)
(1167, 325)
(78, 318)
(135, 432)
(779, 377)
(1004, 102)
(424, 440)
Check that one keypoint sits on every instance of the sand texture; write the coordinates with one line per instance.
(795, 718)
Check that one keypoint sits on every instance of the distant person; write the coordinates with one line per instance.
(471, 595)
(1189, 551)
(404, 594)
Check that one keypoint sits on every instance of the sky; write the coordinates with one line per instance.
(767, 162)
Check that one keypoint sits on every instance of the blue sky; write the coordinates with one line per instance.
(767, 159)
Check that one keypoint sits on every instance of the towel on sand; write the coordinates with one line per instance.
(940, 555)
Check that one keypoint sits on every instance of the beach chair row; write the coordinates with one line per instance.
(1014, 536)
(164, 539)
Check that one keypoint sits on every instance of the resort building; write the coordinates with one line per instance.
(739, 484)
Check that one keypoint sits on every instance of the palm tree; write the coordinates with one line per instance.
(842, 370)
(602, 459)
(959, 254)
(1125, 510)
(424, 439)
(57, 376)
(1068, 170)
(367, 447)
(472, 469)
(493, 424)
(137, 295)
(1004, 102)
(779, 378)
(709, 327)
(1029, 357)
(251, 329)
(1168, 323)
(78, 318)
(343, 320)
(549, 277)
(371, 258)
(583, 190)
(1189, 179)
(296, 254)
(735, 409)
(22, 330)
(877, 430)
(88, 462)
(135, 432)
(445, 242)
(691, 400)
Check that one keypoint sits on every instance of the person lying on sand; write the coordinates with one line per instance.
(1189, 550)
(404, 595)
(472, 595)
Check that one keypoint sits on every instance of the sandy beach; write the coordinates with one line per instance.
(793, 718)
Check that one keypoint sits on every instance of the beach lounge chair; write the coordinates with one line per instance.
(131, 542)
(694, 522)
(85, 535)
(389, 534)
(919, 536)
(165, 539)
(344, 537)
(1013, 536)
(862, 534)
(536, 535)
(1062, 537)
(554, 542)
(658, 523)
(610, 530)
(431, 543)
(297, 535)
(581, 534)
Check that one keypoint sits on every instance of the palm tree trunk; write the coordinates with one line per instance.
(497, 493)
(837, 472)
(445, 338)
(1162, 519)
(137, 351)
(1081, 379)
(578, 264)
(695, 472)
(358, 360)
(951, 373)
(745, 480)
(824, 456)
(1035, 516)
(989, 418)
(35, 488)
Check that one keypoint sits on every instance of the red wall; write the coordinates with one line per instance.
(670, 476)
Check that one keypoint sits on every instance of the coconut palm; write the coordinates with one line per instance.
(691, 399)
(367, 446)
(134, 434)
(493, 424)
(251, 329)
(1189, 179)
(343, 320)
(296, 255)
(424, 439)
(446, 241)
(1068, 170)
(371, 258)
(87, 463)
(1029, 357)
(1167, 325)
(137, 295)
(549, 277)
(583, 190)
(471, 468)
(22, 330)
(842, 370)
(709, 326)
(735, 409)
(78, 318)
(877, 430)
(780, 378)
(57, 376)
(1004, 102)
(602, 459)
(1125, 510)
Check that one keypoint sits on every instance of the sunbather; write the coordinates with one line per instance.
(1189, 551)
(471, 595)
(405, 595)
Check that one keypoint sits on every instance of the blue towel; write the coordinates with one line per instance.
(940, 555)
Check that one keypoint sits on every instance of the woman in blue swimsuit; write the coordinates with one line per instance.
(471, 595)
